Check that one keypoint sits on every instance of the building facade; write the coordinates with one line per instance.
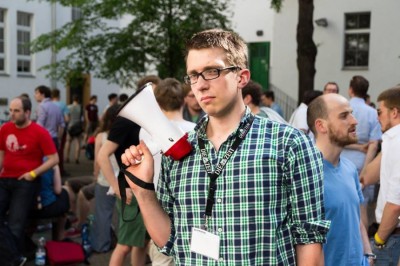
(22, 21)
(353, 37)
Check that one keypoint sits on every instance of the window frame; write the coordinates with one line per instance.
(3, 58)
(359, 33)
(24, 36)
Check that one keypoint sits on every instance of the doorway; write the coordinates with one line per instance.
(259, 54)
(79, 85)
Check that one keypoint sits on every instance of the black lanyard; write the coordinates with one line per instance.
(240, 136)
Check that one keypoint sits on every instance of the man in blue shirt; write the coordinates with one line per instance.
(49, 114)
(368, 133)
(331, 120)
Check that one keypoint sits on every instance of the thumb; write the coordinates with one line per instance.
(144, 149)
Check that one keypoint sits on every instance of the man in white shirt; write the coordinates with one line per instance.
(387, 238)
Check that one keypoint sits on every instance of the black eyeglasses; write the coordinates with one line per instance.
(207, 74)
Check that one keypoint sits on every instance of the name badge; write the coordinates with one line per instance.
(204, 243)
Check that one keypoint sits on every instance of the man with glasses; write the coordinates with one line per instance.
(250, 192)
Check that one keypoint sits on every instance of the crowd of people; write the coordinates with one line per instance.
(254, 190)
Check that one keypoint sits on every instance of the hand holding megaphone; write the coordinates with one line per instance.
(142, 108)
(139, 162)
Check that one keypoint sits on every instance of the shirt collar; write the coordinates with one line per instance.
(46, 100)
(201, 127)
(357, 100)
(392, 132)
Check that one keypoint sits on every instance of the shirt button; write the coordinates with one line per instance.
(221, 259)
(219, 200)
(220, 229)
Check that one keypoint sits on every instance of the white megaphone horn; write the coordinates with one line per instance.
(142, 108)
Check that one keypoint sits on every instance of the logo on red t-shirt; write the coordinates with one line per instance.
(13, 145)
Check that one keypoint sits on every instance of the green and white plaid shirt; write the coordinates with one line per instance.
(268, 198)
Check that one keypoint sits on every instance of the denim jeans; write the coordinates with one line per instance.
(100, 232)
(16, 200)
(388, 255)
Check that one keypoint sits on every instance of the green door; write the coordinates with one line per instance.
(259, 63)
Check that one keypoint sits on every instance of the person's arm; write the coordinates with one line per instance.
(358, 147)
(41, 116)
(51, 161)
(309, 255)
(57, 183)
(366, 244)
(66, 114)
(156, 220)
(390, 219)
(86, 117)
(371, 152)
(371, 172)
(309, 228)
(103, 158)
(97, 146)
(1, 159)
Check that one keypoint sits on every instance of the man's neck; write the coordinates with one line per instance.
(193, 112)
(174, 115)
(330, 152)
(219, 128)
(255, 109)
(24, 125)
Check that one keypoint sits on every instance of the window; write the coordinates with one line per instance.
(76, 13)
(23, 40)
(2, 40)
(357, 31)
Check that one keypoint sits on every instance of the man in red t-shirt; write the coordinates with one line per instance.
(23, 144)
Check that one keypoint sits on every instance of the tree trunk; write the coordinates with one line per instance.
(306, 48)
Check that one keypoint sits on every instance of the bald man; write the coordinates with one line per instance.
(331, 120)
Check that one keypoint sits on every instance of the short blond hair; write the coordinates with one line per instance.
(233, 45)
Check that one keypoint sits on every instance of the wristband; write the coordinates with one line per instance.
(370, 256)
(378, 240)
(32, 174)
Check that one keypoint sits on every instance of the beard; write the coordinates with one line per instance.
(19, 122)
(340, 139)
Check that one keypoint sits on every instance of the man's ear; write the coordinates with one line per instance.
(395, 112)
(321, 126)
(247, 99)
(243, 77)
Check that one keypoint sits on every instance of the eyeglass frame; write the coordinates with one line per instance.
(187, 81)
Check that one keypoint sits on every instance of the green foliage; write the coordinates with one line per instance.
(277, 5)
(155, 36)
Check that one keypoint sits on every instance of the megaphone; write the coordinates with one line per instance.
(142, 108)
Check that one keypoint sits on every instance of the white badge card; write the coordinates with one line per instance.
(205, 243)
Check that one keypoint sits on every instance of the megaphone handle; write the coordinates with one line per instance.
(137, 181)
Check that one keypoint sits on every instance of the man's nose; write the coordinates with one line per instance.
(354, 120)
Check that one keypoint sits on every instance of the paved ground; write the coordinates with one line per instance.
(84, 168)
